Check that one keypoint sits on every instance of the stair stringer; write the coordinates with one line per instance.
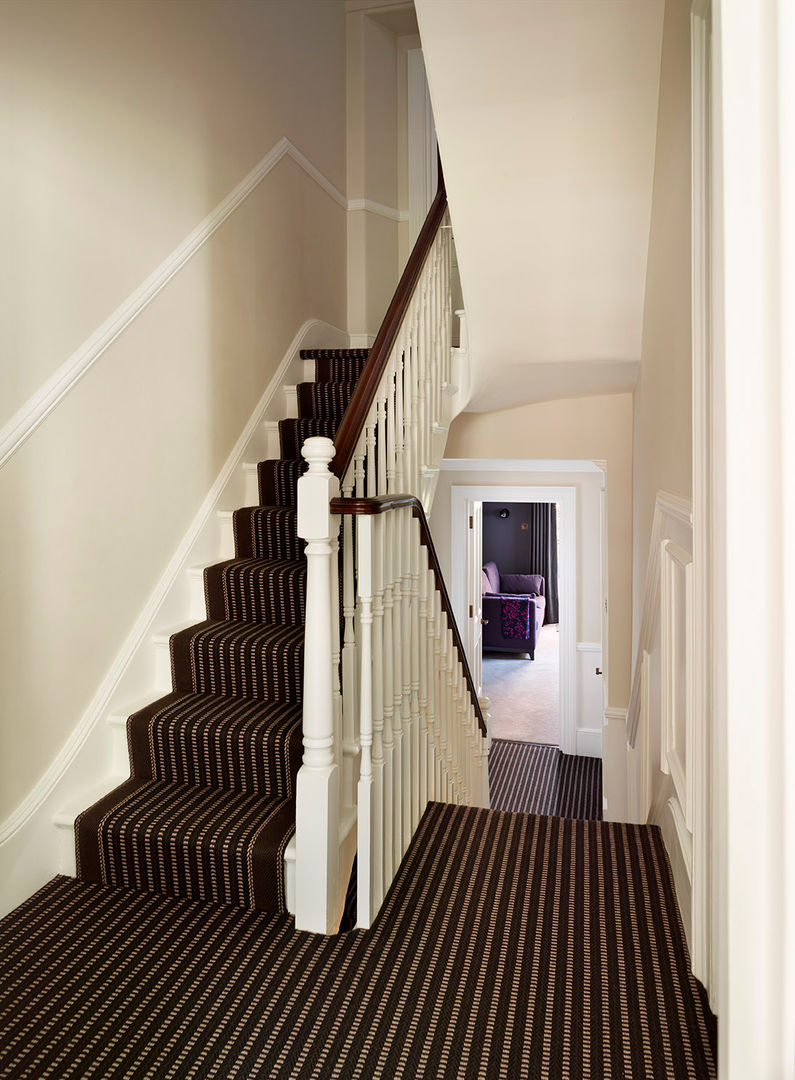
(37, 841)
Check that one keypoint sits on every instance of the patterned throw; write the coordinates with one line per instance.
(208, 810)
(515, 615)
(509, 946)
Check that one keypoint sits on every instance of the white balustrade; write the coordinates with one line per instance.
(390, 716)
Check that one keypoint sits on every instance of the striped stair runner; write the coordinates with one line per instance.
(208, 810)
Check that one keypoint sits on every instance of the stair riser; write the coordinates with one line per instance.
(254, 754)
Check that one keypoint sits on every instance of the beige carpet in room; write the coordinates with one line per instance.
(524, 693)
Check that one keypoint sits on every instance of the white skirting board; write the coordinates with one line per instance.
(37, 840)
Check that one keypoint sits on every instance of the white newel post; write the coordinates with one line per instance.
(317, 792)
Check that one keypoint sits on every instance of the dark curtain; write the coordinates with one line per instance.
(544, 553)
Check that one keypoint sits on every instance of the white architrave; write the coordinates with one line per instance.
(702, 484)
(565, 497)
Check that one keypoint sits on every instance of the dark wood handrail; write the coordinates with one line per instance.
(381, 504)
(358, 410)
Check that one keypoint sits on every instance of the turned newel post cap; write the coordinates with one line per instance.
(318, 452)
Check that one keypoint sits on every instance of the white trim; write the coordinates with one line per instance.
(588, 742)
(614, 714)
(676, 595)
(700, 948)
(37, 408)
(667, 506)
(105, 698)
(566, 499)
(553, 465)
(589, 646)
(361, 340)
(377, 208)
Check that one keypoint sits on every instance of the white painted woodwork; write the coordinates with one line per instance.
(316, 833)
(666, 763)
(400, 727)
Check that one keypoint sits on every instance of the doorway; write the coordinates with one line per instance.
(467, 510)
(521, 631)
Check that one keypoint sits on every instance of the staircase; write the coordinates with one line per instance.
(209, 808)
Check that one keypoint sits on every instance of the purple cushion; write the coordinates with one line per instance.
(522, 584)
(492, 576)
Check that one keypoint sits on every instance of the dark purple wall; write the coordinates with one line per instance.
(505, 542)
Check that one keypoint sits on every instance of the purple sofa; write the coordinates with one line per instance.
(528, 588)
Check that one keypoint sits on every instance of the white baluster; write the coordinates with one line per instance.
(371, 466)
(389, 700)
(366, 824)
(381, 440)
(406, 535)
(484, 745)
(400, 435)
(417, 805)
(317, 792)
(350, 696)
(358, 465)
(378, 676)
(391, 433)
(397, 685)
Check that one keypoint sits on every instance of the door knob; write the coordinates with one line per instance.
(598, 671)
(485, 622)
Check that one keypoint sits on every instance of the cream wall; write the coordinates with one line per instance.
(372, 128)
(596, 428)
(127, 124)
(663, 413)
(123, 124)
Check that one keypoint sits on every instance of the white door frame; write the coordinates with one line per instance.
(752, 469)
(566, 498)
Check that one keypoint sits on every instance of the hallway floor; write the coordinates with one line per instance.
(525, 694)
(509, 946)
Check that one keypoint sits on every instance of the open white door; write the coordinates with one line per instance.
(603, 542)
(474, 630)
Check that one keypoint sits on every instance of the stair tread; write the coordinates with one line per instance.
(237, 659)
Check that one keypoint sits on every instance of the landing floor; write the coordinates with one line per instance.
(510, 946)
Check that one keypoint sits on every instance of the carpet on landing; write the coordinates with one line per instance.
(509, 946)
(535, 779)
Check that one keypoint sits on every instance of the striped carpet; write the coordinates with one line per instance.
(209, 807)
(537, 779)
(510, 946)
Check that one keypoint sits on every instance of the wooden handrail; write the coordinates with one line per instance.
(381, 504)
(356, 414)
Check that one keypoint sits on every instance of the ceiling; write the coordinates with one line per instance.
(546, 113)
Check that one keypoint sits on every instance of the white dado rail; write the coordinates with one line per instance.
(390, 714)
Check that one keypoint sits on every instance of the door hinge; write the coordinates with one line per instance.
(471, 522)
(471, 612)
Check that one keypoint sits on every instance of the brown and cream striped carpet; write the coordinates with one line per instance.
(208, 810)
(510, 946)
(539, 779)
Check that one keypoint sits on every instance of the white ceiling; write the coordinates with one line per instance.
(546, 112)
